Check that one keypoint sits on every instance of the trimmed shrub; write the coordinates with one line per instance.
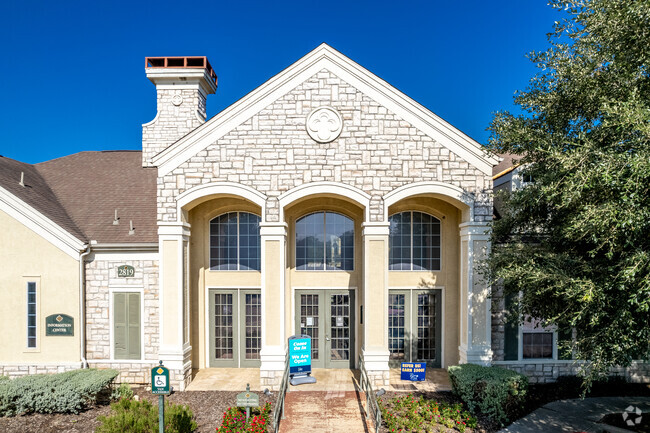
(142, 417)
(494, 391)
(71, 391)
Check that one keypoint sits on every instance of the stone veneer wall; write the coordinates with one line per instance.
(25, 369)
(376, 152)
(100, 276)
(549, 371)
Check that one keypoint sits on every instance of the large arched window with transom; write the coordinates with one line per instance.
(235, 242)
(325, 241)
(414, 242)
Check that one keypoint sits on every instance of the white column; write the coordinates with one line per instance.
(475, 323)
(273, 255)
(375, 301)
(172, 238)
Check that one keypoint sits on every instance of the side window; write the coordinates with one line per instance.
(325, 241)
(31, 314)
(126, 325)
(414, 242)
(235, 242)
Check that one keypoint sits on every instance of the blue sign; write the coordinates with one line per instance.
(299, 355)
(415, 371)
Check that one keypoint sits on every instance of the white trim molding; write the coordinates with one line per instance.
(325, 57)
(211, 189)
(346, 191)
(40, 224)
(459, 197)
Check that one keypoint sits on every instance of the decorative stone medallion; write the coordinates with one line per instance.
(324, 124)
(177, 100)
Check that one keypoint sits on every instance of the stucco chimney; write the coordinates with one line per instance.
(182, 86)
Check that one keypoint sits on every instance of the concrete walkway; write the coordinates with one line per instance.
(325, 412)
(566, 416)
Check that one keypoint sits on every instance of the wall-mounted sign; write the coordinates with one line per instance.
(125, 271)
(160, 380)
(59, 325)
(299, 355)
(415, 371)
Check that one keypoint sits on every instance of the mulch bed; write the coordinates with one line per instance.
(208, 408)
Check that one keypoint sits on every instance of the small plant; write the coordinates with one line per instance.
(142, 417)
(409, 414)
(494, 391)
(234, 420)
(122, 391)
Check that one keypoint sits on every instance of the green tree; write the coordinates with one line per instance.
(576, 242)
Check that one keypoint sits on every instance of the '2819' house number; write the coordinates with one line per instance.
(125, 271)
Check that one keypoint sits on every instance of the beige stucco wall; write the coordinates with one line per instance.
(201, 277)
(26, 256)
(447, 278)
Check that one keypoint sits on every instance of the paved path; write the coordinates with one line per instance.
(566, 416)
(325, 412)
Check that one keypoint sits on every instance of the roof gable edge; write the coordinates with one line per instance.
(365, 81)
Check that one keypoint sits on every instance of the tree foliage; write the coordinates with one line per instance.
(576, 242)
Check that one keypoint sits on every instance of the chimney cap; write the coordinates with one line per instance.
(181, 62)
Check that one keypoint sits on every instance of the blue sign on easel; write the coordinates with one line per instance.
(299, 355)
(414, 371)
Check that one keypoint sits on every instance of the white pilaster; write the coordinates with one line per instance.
(475, 326)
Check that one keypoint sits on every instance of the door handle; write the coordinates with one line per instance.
(327, 338)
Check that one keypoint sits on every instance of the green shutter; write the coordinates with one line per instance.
(511, 337)
(126, 325)
(120, 325)
(134, 326)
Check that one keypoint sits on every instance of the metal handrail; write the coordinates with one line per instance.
(372, 407)
(278, 411)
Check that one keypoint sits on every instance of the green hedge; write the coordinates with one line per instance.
(494, 391)
(72, 391)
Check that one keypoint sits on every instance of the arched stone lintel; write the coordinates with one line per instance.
(346, 192)
(452, 194)
(200, 193)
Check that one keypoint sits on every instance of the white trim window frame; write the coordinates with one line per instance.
(239, 246)
(32, 314)
(537, 330)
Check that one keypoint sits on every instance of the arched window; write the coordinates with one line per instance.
(414, 242)
(325, 241)
(235, 242)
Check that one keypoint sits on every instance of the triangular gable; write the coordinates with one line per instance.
(325, 57)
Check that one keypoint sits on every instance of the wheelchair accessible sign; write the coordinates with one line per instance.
(299, 355)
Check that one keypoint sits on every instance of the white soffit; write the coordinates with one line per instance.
(325, 57)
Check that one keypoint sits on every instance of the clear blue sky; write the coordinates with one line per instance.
(72, 72)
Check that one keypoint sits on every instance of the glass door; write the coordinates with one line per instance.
(235, 328)
(327, 316)
(414, 326)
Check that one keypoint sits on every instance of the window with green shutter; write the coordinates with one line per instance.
(126, 325)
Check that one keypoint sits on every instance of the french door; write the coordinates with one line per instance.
(235, 327)
(414, 326)
(327, 316)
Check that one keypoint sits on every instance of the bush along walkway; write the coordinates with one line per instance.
(578, 415)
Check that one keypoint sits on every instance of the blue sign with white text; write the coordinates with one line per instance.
(299, 355)
(415, 371)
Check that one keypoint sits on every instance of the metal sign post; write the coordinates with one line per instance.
(248, 399)
(160, 386)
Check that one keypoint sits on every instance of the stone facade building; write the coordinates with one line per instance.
(324, 203)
